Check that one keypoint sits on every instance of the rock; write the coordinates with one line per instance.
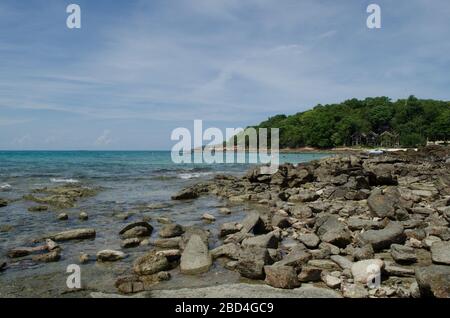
(83, 216)
(3, 265)
(434, 281)
(78, 234)
(304, 196)
(280, 221)
(364, 271)
(163, 220)
(281, 277)
(354, 291)
(252, 260)
(253, 222)
(364, 252)
(342, 261)
(382, 205)
(190, 231)
(403, 254)
(430, 240)
(229, 228)
(296, 258)
(3, 203)
(20, 252)
(131, 242)
(171, 255)
(310, 274)
(186, 194)
(269, 240)
(225, 211)
(51, 245)
(150, 263)
(173, 242)
(134, 284)
(440, 253)
(110, 256)
(38, 208)
(195, 258)
(324, 264)
(63, 217)
(84, 258)
(301, 211)
(171, 230)
(381, 239)
(331, 281)
(208, 217)
(310, 240)
(394, 270)
(52, 256)
(230, 250)
(356, 223)
(331, 230)
(138, 229)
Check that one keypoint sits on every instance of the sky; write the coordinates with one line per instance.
(137, 69)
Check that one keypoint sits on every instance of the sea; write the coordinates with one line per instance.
(133, 185)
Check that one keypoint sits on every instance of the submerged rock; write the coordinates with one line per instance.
(78, 234)
(3, 203)
(110, 256)
(195, 258)
(52, 256)
(137, 229)
(38, 208)
(186, 194)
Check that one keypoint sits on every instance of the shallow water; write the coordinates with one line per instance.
(128, 181)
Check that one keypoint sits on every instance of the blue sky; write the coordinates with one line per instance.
(138, 69)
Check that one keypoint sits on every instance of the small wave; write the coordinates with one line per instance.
(61, 180)
(193, 175)
(5, 187)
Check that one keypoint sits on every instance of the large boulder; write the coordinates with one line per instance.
(434, 281)
(281, 277)
(78, 234)
(195, 258)
(150, 263)
(382, 204)
(269, 240)
(440, 252)
(381, 239)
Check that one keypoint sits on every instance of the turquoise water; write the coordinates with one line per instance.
(129, 181)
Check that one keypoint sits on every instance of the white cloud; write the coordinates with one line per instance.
(104, 139)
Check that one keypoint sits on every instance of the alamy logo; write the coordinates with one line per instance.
(239, 146)
(74, 279)
(374, 276)
(74, 19)
(374, 19)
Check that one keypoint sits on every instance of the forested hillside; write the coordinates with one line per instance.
(411, 120)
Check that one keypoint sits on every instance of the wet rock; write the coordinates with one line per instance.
(78, 234)
(403, 254)
(381, 239)
(354, 291)
(229, 228)
(38, 208)
(3, 265)
(110, 256)
(281, 277)
(171, 230)
(434, 281)
(130, 243)
(186, 194)
(252, 260)
(171, 255)
(3, 203)
(173, 242)
(150, 263)
(163, 220)
(333, 231)
(440, 253)
(208, 217)
(83, 216)
(135, 284)
(52, 256)
(364, 271)
(310, 240)
(84, 258)
(195, 258)
(21, 252)
(62, 197)
(137, 229)
(63, 217)
(269, 240)
(193, 230)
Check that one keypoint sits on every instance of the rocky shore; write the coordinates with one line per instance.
(351, 225)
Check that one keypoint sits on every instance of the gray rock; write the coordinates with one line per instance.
(63, 217)
(50, 257)
(251, 262)
(440, 252)
(3, 203)
(304, 196)
(381, 239)
(3, 265)
(110, 256)
(83, 216)
(38, 208)
(394, 270)
(382, 205)
(131, 242)
(403, 254)
(186, 194)
(230, 250)
(280, 221)
(195, 258)
(301, 211)
(434, 281)
(342, 261)
(269, 240)
(310, 274)
(173, 242)
(229, 228)
(137, 229)
(150, 263)
(364, 252)
(354, 291)
(281, 277)
(331, 230)
(296, 258)
(78, 234)
(310, 240)
(171, 230)
(171, 255)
